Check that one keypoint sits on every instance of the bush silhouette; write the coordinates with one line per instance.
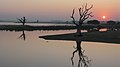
(95, 22)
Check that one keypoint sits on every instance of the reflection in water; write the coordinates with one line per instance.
(22, 36)
(83, 59)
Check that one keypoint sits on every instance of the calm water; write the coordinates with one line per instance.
(36, 52)
(32, 24)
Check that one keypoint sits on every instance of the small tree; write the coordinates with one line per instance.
(22, 20)
(111, 24)
(84, 14)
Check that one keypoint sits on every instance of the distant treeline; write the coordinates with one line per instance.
(92, 25)
(31, 28)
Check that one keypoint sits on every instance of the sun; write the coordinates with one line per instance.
(103, 17)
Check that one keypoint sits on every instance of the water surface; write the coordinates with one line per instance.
(36, 52)
(35, 24)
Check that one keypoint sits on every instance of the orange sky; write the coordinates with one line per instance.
(46, 10)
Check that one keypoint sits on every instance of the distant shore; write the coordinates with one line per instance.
(32, 28)
(49, 27)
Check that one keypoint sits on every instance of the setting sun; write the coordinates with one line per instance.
(103, 17)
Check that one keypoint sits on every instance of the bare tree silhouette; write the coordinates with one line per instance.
(22, 20)
(22, 36)
(84, 14)
(83, 59)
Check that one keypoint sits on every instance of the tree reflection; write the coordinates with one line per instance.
(83, 59)
(22, 36)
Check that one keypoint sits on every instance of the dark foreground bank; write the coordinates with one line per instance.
(105, 37)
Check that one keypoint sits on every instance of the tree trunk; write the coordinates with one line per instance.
(79, 31)
(23, 23)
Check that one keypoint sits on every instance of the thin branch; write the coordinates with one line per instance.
(20, 20)
(85, 14)
(86, 6)
(73, 17)
(90, 7)
(80, 13)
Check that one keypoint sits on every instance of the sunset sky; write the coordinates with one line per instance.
(47, 10)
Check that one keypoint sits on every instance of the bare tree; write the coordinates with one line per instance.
(84, 14)
(22, 20)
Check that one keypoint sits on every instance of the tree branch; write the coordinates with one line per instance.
(73, 17)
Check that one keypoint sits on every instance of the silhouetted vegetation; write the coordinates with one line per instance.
(94, 22)
(84, 14)
(111, 22)
(111, 25)
(22, 20)
(31, 28)
(118, 23)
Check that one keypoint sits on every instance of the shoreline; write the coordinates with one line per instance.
(43, 27)
(32, 28)
(104, 37)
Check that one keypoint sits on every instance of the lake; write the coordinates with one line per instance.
(35, 24)
(26, 49)
(32, 51)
